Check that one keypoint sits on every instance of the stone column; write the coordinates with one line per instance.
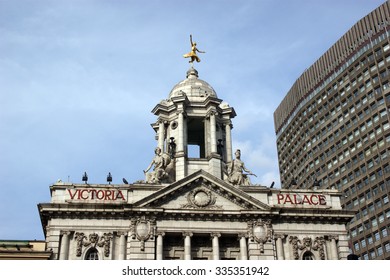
(279, 246)
(243, 247)
(215, 237)
(64, 251)
(333, 247)
(180, 143)
(161, 134)
(160, 247)
(213, 133)
(122, 245)
(229, 152)
(187, 245)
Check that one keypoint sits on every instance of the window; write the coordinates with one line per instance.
(92, 254)
(356, 245)
(372, 255)
(380, 251)
(370, 240)
(363, 243)
(387, 247)
(308, 256)
(377, 237)
(384, 232)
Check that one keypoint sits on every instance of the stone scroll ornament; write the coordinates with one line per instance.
(260, 231)
(142, 229)
(93, 240)
(307, 244)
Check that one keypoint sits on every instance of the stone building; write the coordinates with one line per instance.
(198, 207)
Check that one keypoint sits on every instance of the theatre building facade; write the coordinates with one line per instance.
(189, 207)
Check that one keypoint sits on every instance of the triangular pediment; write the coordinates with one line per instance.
(202, 191)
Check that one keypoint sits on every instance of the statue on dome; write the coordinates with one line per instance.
(235, 170)
(192, 54)
(163, 168)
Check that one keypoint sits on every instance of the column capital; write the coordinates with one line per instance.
(120, 233)
(280, 235)
(187, 233)
(212, 113)
(162, 233)
(333, 237)
(215, 234)
(65, 232)
(181, 112)
(242, 234)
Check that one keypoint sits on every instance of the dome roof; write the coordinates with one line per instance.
(194, 88)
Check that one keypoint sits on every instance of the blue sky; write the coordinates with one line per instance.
(78, 81)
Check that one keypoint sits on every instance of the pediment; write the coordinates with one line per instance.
(202, 191)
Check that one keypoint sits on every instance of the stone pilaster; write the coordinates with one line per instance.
(64, 250)
(243, 246)
(279, 245)
(160, 246)
(187, 245)
(215, 240)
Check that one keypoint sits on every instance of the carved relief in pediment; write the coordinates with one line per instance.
(201, 198)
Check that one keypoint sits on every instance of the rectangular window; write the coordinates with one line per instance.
(372, 254)
(387, 247)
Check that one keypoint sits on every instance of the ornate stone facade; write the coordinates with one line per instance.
(193, 206)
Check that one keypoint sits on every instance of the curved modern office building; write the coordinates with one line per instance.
(333, 130)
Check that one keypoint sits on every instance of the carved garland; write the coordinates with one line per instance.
(307, 244)
(93, 240)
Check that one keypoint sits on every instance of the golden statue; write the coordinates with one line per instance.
(192, 54)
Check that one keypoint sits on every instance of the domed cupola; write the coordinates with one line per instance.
(194, 128)
(193, 87)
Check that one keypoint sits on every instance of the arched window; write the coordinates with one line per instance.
(92, 254)
(308, 256)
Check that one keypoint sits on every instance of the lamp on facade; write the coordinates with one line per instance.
(85, 177)
(109, 178)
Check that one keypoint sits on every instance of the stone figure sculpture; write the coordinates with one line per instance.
(163, 168)
(192, 54)
(236, 168)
